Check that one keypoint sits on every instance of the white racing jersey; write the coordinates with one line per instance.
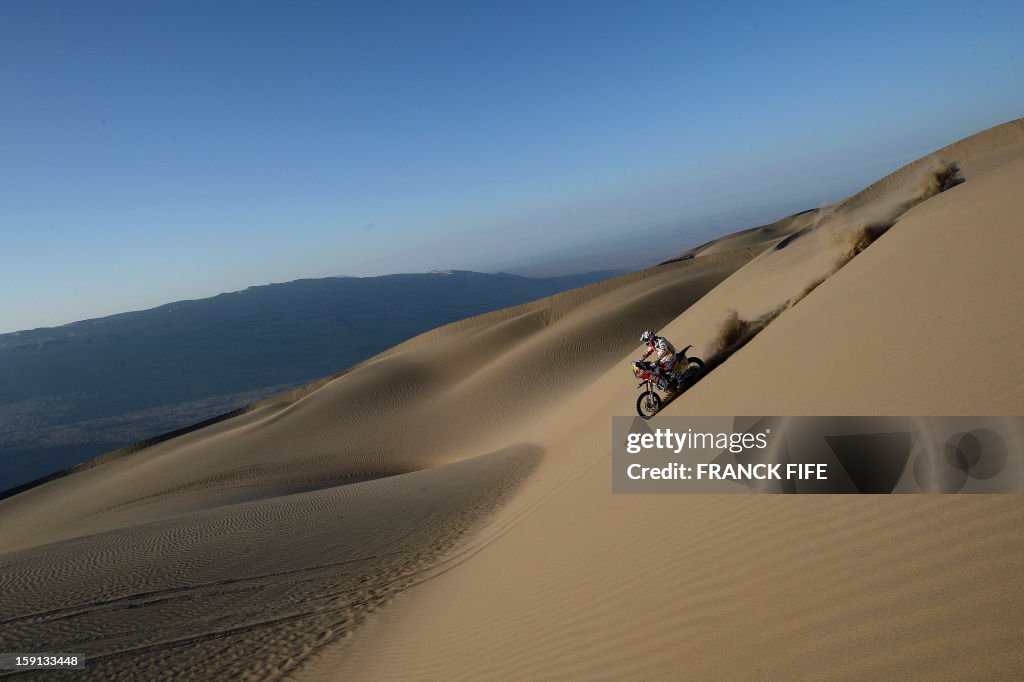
(663, 347)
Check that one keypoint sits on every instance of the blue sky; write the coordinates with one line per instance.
(159, 151)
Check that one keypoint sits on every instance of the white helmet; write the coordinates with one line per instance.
(646, 336)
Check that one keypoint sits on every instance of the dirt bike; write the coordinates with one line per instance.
(649, 402)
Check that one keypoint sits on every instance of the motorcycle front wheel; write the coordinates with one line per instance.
(648, 404)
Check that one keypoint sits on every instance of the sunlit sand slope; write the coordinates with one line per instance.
(928, 320)
(583, 584)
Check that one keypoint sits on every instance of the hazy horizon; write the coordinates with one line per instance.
(530, 266)
(173, 152)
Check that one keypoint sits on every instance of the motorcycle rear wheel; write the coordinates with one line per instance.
(648, 404)
(694, 369)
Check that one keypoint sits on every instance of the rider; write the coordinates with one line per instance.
(666, 354)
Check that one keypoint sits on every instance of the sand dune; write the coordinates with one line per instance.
(755, 236)
(420, 405)
(698, 586)
(444, 510)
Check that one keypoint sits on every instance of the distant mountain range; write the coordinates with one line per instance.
(72, 392)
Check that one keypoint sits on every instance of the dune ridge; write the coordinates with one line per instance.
(549, 308)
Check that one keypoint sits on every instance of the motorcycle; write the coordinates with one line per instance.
(649, 402)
